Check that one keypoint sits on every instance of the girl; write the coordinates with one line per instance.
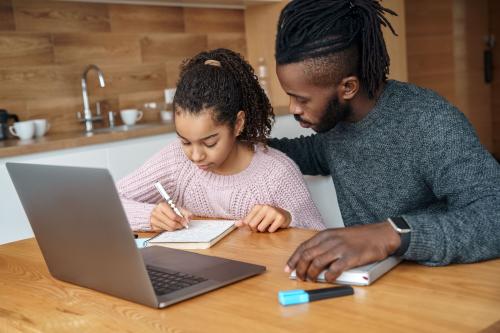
(220, 166)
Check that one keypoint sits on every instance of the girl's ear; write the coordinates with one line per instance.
(240, 123)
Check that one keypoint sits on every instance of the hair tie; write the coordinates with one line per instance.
(212, 62)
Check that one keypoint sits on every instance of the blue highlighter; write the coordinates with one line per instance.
(299, 296)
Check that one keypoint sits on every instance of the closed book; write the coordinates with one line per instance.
(201, 234)
(362, 275)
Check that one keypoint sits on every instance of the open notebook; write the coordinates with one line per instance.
(362, 275)
(201, 234)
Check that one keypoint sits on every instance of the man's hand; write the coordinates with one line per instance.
(338, 250)
(163, 217)
(266, 218)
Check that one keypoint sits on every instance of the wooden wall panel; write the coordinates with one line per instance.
(130, 79)
(233, 41)
(146, 19)
(97, 48)
(6, 15)
(55, 16)
(26, 49)
(445, 54)
(429, 37)
(158, 48)
(45, 46)
(27, 83)
(207, 20)
(494, 14)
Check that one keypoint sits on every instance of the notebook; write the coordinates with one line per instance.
(201, 234)
(362, 275)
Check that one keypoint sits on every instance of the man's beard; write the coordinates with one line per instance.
(334, 113)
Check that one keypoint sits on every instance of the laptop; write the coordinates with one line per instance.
(83, 233)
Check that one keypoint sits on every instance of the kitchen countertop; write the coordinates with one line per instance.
(14, 147)
(50, 142)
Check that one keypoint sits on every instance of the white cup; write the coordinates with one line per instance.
(24, 130)
(166, 116)
(169, 95)
(130, 116)
(41, 127)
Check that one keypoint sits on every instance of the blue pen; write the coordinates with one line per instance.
(299, 296)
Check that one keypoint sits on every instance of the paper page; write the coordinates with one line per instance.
(200, 231)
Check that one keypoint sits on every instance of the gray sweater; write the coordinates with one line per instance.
(414, 155)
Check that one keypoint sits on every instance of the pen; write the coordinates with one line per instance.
(299, 296)
(169, 200)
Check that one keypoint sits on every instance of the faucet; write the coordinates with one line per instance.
(87, 113)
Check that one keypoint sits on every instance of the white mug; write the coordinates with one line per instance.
(41, 127)
(130, 116)
(24, 130)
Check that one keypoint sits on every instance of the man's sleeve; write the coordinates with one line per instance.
(465, 178)
(306, 151)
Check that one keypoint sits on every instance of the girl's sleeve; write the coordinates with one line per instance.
(292, 194)
(137, 192)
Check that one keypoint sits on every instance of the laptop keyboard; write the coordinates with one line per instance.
(168, 282)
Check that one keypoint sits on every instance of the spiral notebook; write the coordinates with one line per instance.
(201, 234)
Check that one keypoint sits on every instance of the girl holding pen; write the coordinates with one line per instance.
(220, 166)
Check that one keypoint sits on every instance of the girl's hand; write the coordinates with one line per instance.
(164, 218)
(266, 218)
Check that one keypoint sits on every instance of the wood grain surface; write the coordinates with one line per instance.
(410, 298)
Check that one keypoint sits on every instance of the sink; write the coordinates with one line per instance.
(122, 128)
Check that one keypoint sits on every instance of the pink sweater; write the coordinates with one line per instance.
(270, 179)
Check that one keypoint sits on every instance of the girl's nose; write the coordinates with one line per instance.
(197, 155)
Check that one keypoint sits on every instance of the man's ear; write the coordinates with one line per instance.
(240, 122)
(349, 87)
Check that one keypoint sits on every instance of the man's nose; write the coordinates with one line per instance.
(294, 108)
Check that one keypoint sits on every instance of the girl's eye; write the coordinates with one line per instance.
(185, 143)
(210, 145)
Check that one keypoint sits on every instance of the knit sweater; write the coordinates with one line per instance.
(270, 179)
(416, 156)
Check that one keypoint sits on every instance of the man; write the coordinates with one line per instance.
(411, 177)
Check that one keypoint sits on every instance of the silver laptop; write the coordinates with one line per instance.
(85, 238)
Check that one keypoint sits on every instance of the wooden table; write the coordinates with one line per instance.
(411, 298)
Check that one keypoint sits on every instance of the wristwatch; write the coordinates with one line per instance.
(402, 227)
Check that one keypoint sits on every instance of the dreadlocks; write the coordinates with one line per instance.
(336, 32)
(223, 81)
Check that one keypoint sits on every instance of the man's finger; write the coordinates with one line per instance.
(305, 260)
(320, 263)
(312, 242)
(336, 268)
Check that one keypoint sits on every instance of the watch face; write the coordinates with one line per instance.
(401, 224)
